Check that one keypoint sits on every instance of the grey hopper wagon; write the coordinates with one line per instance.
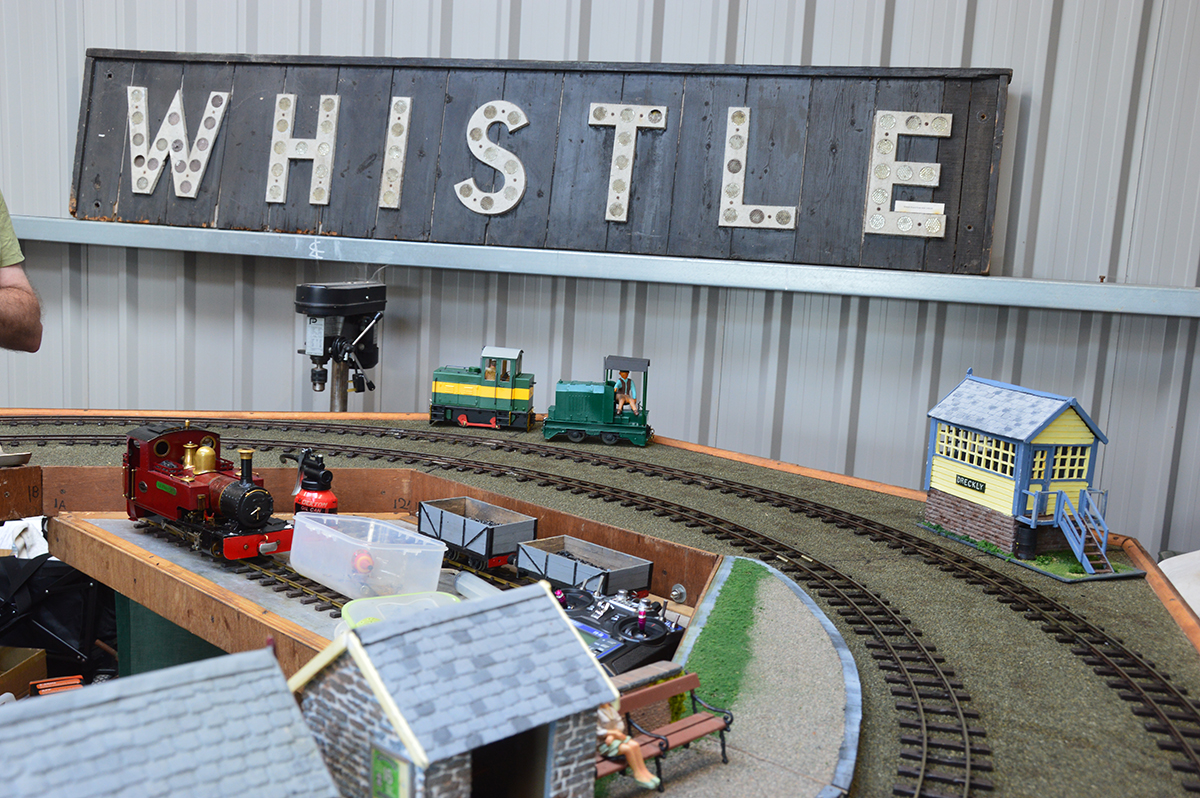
(570, 562)
(484, 534)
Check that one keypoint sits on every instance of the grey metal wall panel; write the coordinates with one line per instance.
(1161, 243)
(1088, 183)
(841, 384)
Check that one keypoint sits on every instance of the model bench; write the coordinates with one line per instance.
(657, 742)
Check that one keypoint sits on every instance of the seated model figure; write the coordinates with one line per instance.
(626, 393)
(612, 741)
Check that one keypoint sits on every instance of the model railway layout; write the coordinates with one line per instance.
(941, 750)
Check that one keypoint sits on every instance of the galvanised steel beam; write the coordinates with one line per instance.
(1144, 300)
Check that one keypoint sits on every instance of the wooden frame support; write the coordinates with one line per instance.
(223, 618)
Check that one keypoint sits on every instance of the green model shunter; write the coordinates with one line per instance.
(611, 410)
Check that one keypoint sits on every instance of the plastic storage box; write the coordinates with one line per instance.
(361, 557)
(361, 612)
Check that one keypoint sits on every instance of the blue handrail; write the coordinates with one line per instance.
(1075, 525)
(1040, 500)
(1064, 519)
(1093, 509)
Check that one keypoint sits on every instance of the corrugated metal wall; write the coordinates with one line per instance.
(1097, 181)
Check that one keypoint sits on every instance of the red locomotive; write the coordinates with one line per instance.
(177, 473)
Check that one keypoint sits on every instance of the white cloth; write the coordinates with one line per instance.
(24, 537)
(1183, 571)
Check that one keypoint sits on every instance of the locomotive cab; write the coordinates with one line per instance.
(620, 368)
(503, 365)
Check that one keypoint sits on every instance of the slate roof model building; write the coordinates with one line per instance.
(221, 726)
(1014, 467)
(497, 691)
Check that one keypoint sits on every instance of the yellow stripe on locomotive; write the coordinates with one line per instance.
(496, 393)
(442, 387)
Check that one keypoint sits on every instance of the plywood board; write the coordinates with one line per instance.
(20, 492)
(230, 621)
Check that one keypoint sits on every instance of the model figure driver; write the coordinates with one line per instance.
(626, 393)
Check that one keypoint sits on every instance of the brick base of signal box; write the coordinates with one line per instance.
(962, 517)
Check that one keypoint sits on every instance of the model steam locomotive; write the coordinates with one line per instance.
(176, 474)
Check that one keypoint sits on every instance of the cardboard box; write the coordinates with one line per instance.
(19, 667)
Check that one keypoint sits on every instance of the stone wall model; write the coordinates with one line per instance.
(574, 774)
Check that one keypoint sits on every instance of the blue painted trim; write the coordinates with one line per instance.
(933, 425)
(1022, 471)
(1092, 425)
(980, 431)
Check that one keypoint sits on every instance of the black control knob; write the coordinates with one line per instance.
(572, 598)
(649, 632)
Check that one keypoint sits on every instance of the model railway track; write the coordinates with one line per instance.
(915, 671)
(265, 570)
(280, 577)
(940, 740)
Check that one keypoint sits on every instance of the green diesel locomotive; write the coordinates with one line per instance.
(611, 410)
(494, 394)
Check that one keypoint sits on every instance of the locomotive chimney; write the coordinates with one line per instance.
(247, 473)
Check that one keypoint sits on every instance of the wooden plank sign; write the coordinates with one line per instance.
(874, 167)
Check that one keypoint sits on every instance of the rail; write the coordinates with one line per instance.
(1164, 707)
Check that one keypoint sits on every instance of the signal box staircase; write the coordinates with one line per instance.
(1084, 528)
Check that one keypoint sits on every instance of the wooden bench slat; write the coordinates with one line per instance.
(652, 694)
(681, 732)
(649, 747)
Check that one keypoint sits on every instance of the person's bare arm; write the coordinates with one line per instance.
(20, 311)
